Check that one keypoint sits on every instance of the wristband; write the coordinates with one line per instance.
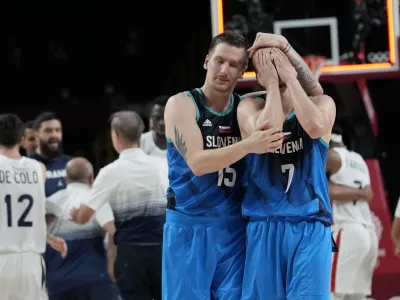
(287, 48)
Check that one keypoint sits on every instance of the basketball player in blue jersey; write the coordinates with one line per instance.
(289, 242)
(49, 152)
(204, 234)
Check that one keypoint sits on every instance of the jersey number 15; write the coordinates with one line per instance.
(21, 221)
(227, 176)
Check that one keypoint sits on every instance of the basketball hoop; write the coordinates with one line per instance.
(315, 63)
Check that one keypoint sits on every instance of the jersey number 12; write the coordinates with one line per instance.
(227, 176)
(21, 221)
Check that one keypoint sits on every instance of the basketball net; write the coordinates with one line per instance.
(315, 63)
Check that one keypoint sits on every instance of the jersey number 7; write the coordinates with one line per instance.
(288, 168)
(21, 221)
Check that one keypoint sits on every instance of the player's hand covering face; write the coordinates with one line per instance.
(285, 69)
(267, 40)
(266, 72)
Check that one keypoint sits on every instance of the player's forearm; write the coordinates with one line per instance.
(396, 239)
(49, 237)
(342, 193)
(306, 78)
(213, 160)
(272, 110)
(112, 248)
(109, 227)
(395, 234)
(111, 256)
(312, 119)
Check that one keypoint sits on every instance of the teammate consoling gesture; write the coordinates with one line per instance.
(204, 234)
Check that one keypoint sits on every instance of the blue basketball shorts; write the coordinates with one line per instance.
(287, 260)
(203, 257)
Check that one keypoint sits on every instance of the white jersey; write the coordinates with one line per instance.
(149, 147)
(22, 206)
(354, 174)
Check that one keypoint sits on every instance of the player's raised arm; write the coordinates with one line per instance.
(305, 76)
(182, 129)
(267, 76)
(316, 115)
(248, 114)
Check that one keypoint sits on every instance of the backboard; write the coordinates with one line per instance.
(359, 38)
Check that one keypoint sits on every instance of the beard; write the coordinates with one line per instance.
(47, 152)
(160, 132)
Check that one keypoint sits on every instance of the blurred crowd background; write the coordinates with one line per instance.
(84, 62)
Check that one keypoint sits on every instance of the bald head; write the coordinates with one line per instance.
(128, 124)
(80, 170)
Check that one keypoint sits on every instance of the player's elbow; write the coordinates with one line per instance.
(196, 165)
(316, 130)
(196, 168)
(316, 91)
(314, 133)
(198, 172)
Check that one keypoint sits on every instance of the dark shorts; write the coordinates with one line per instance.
(138, 271)
(103, 290)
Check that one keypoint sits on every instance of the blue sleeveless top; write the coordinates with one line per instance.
(215, 194)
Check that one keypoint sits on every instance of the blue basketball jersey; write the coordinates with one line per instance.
(291, 182)
(215, 194)
(55, 172)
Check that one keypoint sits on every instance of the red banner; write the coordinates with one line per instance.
(386, 280)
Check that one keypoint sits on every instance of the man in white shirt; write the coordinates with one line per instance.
(83, 273)
(353, 230)
(154, 142)
(135, 188)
